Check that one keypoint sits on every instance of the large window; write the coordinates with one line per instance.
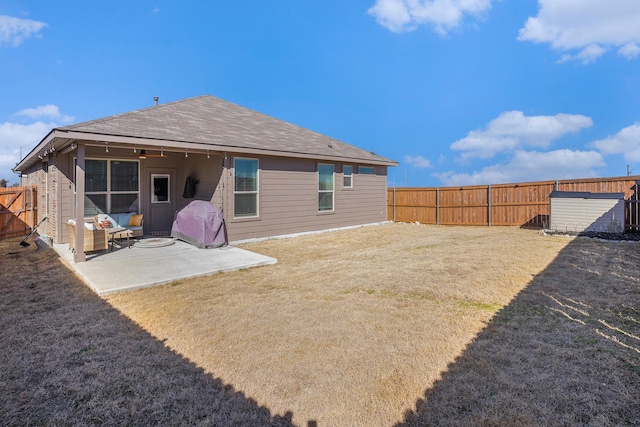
(325, 187)
(245, 187)
(111, 186)
(347, 176)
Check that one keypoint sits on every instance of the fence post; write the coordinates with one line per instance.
(32, 224)
(489, 204)
(438, 206)
(637, 207)
(394, 202)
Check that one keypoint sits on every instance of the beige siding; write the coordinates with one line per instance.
(288, 200)
(577, 214)
(209, 173)
(288, 192)
(66, 198)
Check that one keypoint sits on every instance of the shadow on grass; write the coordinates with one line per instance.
(565, 351)
(68, 358)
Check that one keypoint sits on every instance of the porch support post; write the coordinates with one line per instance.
(79, 255)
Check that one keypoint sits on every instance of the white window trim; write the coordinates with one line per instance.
(332, 191)
(351, 176)
(161, 175)
(256, 192)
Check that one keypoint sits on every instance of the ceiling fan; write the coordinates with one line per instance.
(144, 154)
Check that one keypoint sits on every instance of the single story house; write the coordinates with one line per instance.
(268, 177)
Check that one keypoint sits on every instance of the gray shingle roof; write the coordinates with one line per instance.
(213, 121)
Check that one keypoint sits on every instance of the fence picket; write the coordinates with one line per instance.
(518, 204)
(17, 211)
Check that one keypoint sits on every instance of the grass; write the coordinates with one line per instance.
(69, 358)
(392, 325)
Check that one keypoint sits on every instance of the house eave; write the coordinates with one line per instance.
(167, 144)
(51, 140)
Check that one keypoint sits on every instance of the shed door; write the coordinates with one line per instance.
(163, 200)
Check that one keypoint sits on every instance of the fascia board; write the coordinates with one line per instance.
(181, 145)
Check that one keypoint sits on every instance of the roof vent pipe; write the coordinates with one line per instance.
(155, 100)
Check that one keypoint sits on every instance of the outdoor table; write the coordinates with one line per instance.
(119, 233)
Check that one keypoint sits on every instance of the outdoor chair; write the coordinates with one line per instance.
(94, 239)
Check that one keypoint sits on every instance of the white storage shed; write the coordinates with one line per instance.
(574, 211)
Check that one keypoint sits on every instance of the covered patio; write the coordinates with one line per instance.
(127, 268)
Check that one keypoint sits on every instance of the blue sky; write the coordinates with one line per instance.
(459, 92)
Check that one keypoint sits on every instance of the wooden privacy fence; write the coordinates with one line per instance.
(521, 204)
(18, 211)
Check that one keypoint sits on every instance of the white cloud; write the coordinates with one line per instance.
(418, 162)
(19, 138)
(513, 130)
(13, 136)
(526, 166)
(590, 27)
(626, 142)
(45, 111)
(14, 31)
(629, 51)
(587, 55)
(443, 15)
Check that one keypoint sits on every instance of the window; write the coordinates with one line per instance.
(111, 186)
(245, 187)
(95, 187)
(325, 187)
(347, 176)
(160, 188)
(124, 186)
(366, 170)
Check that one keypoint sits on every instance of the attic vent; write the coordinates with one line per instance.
(155, 100)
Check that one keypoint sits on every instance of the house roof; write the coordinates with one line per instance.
(210, 123)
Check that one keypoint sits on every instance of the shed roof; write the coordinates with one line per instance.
(207, 122)
(585, 195)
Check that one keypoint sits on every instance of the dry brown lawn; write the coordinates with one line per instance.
(351, 327)
(377, 326)
(67, 358)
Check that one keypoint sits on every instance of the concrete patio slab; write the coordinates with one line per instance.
(128, 268)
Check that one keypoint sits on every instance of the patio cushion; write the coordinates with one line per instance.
(123, 219)
(135, 221)
(88, 225)
(100, 218)
(116, 220)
